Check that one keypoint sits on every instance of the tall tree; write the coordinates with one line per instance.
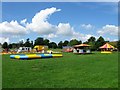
(65, 43)
(91, 41)
(39, 41)
(27, 43)
(21, 43)
(118, 45)
(15, 45)
(80, 42)
(31, 44)
(52, 45)
(46, 42)
(100, 41)
(86, 42)
(10, 46)
(60, 44)
(73, 42)
(5, 45)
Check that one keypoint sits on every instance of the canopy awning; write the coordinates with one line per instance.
(82, 45)
(107, 45)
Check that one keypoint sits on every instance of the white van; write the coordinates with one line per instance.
(24, 49)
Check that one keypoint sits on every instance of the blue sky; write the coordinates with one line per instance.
(66, 21)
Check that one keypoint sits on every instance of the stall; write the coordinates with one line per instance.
(107, 48)
(82, 49)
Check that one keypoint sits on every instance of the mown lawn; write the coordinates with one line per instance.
(71, 71)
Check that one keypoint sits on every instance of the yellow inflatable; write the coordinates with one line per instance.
(35, 56)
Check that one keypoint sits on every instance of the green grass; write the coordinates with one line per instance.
(71, 71)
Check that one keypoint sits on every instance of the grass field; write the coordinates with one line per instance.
(71, 71)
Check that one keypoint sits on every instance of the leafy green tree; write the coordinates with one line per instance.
(52, 45)
(118, 45)
(73, 42)
(65, 43)
(114, 43)
(46, 42)
(92, 46)
(5, 45)
(27, 43)
(39, 41)
(86, 42)
(21, 44)
(91, 41)
(10, 46)
(15, 45)
(80, 42)
(100, 41)
(60, 44)
(31, 44)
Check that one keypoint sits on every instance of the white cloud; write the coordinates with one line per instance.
(107, 39)
(87, 26)
(40, 24)
(115, 39)
(23, 22)
(49, 36)
(79, 36)
(65, 29)
(4, 39)
(22, 40)
(108, 30)
(12, 28)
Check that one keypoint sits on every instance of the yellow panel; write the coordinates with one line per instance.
(33, 56)
(17, 57)
(39, 47)
(106, 52)
(57, 55)
(30, 54)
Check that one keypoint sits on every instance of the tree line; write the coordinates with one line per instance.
(95, 43)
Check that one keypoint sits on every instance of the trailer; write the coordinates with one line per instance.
(24, 49)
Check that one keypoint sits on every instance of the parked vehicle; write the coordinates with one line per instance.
(24, 49)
